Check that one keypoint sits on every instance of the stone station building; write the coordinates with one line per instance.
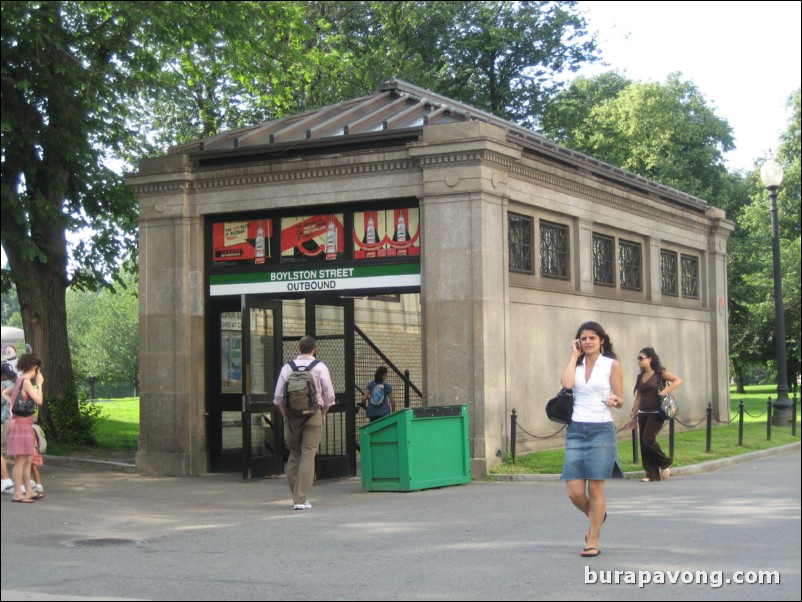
(465, 248)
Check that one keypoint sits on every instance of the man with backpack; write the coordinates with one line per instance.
(304, 393)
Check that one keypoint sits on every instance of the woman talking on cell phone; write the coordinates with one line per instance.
(20, 441)
(591, 452)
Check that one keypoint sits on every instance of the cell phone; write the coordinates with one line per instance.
(578, 346)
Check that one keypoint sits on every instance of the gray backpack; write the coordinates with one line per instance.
(300, 395)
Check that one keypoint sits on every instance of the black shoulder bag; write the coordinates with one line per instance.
(561, 407)
(21, 407)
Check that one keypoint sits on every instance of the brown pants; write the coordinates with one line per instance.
(303, 436)
(652, 457)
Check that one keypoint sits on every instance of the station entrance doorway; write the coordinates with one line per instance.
(253, 336)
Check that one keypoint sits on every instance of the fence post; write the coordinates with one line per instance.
(513, 433)
(793, 416)
(671, 438)
(709, 426)
(406, 388)
(741, 423)
(768, 420)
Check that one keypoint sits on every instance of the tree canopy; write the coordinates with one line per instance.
(502, 57)
(665, 132)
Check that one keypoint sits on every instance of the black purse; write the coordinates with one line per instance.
(561, 407)
(21, 407)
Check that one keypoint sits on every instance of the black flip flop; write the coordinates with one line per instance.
(598, 552)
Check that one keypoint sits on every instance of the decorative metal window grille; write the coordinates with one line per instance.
(603, 260)
(629, 263)
(668, 273)
(520, 243)
(690, 276)
(553, 250)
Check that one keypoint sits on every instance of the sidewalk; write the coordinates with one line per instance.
(102, 534)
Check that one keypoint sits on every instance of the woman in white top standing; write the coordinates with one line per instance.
(591, 451)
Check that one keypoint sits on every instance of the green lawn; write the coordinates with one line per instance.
(689, 446)
(118, 426)
(118, 430)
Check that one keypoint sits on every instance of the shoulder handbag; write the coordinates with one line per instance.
(560, 407)
(21, 407)
(41, 441)
(668, 404)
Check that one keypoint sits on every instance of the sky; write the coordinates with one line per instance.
(744, 57)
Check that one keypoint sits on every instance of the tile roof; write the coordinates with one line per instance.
(401, 108)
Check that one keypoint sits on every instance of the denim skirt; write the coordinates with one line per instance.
(591, 452)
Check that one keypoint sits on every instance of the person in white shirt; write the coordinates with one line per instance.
(591, 451)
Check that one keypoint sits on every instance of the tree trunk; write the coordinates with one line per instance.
(41, 289)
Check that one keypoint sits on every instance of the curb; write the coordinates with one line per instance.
(709, 466)
(89, 464)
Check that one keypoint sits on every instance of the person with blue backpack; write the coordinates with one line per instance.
(378, 398)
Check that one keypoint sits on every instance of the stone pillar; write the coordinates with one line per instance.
(716, 260)
(171, 254)
(464, 287)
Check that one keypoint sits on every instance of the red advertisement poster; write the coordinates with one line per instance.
(312, 238)
(386, 233)
(241, 242)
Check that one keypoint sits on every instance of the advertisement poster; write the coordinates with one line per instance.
(314, 238)
(386, 233)
(245, 242)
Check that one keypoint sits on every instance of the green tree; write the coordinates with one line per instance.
(77, 79)
(63, 65)
(501, 57)
(664, 132)
(104, 333)
(564, 118)
(506, 57)
(751, 275)
(233, 64)
(10, 307)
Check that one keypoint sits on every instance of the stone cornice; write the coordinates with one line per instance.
(647, 206)
(268, 174)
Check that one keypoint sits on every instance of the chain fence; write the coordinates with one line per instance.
(520, 434)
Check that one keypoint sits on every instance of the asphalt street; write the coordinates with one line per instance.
(107, 535)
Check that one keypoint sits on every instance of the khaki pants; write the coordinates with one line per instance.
(303, 434)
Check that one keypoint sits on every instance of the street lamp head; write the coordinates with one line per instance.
(771, 173)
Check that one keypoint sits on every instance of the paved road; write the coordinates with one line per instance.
(218, 538)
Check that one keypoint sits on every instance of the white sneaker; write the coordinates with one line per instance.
(304, 506)
(33, 485)
(7, 486)
(38, 488)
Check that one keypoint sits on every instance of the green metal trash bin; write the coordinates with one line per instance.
(416, 448)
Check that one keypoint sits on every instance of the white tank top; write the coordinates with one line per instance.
(589, 395)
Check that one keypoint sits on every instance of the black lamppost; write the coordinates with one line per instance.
(772, 176)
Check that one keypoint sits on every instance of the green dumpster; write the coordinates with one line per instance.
(416, 448)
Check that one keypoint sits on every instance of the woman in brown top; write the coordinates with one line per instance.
(652, 382)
